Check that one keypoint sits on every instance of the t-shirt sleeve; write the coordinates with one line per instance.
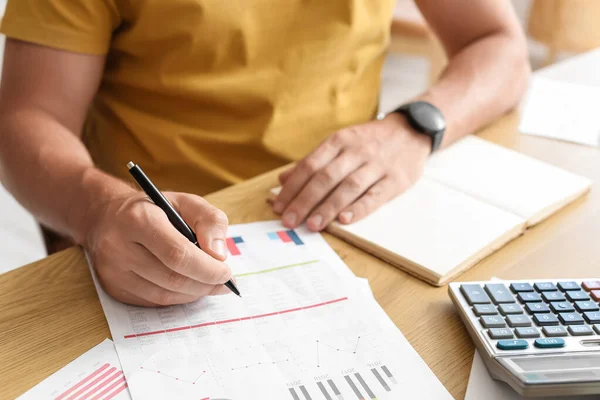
(82, 26)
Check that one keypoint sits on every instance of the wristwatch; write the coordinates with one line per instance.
(425, 118)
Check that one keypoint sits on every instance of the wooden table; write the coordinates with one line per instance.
(50, 313)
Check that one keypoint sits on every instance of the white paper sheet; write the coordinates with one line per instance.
(95, 375)
(304, 329)
(562, 110)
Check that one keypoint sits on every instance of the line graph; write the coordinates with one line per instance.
(174, 377)
(323, 344)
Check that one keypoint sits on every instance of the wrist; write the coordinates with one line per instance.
(417, 141)
(98, 190)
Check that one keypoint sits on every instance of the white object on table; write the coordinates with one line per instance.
(95, 375)
(303, 328)
(562, 110)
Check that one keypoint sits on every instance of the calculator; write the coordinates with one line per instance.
(542, 337)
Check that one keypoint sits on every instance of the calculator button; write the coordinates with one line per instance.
(582, 306)
(485, 309)
(492, 321)
(529, 297)
(595, 295)
(554, 331)
(545, 319)
(499, 293)
(533, 308)
(518, 320)
(564, 286)
(578, 296)
(544, 286)
(592, 317)
(527, 332)
(549, 343)
(521, 287)
(590, 285)
(474, 294)
(553, 296)
(563, 306)
(510, 309)
(500, 333)
(581, 330)
(517, 344)
(570, 318)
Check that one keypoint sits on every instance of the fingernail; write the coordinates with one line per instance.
(290, 219)
(346, 217)
(278, 207)
(218, 246)
(315, 221)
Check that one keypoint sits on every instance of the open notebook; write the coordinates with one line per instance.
(474, 197)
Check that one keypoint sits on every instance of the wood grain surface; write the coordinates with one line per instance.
(50, 313)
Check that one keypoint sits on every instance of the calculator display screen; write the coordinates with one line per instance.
(553, 363)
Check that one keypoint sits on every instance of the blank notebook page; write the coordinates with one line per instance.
(435, 227)
(509, 180)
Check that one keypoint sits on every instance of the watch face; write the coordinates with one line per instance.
(427, 116)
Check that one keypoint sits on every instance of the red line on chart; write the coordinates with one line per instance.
(228, 321)
(82, 382)
(174, 377)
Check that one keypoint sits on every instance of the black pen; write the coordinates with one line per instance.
(161, 201)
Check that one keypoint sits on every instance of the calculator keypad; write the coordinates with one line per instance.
(544, 311)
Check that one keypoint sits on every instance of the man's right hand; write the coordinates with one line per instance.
(141, 259)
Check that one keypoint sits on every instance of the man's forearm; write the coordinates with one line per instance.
(482, 81)
(49, 170)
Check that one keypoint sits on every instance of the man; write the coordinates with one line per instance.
(205, 93)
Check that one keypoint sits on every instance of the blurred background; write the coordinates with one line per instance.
(556, 29)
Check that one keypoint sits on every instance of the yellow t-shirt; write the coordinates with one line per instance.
(205, 93)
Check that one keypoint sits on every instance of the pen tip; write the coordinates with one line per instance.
(130, 165)
(240, 296)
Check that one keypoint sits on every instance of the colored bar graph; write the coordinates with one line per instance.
(354, 388)
(232, 243)
(365, 386)
(305, 392)
(106, 382)
(289, 236)
(294, 395)
(389, 374)
(380, 379)
(324, 391)
(294, 236)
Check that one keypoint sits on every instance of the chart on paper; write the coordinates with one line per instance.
(302, 330)
(96, 375)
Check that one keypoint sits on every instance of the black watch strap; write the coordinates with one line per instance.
(426, 119)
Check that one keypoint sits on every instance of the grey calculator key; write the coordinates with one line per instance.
(578, 295)
(544, 286)
(529, 297)
(474, 294)
(570, 318)
(492, 321)
(500, 333)
(499, 293)
(530, 332)
(521, 287)
(583, 306)
(545, 319)
(564, 286)
(581, 330)
(485, 309)
(518, 320)
(553, 296)
(561, 306)
(533, 308)
(592, 317)
(512, 308)
(555, 331)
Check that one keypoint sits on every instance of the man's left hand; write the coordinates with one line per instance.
(352, 173)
